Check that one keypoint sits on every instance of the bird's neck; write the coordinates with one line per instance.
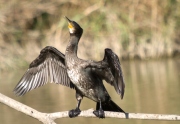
(72, 47)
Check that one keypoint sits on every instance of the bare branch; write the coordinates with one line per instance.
(89, 113)
(25, 109)
(48, 118)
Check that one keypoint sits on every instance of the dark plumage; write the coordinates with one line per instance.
(83, 76)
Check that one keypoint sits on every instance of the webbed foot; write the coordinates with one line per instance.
(74, 113)
(99, 113)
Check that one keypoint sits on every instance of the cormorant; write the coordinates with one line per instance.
(85, 76)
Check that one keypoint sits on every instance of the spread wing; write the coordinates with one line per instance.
(49, 66)
(113, 73)
(116, 70)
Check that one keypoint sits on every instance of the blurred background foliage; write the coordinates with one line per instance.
(134, 29)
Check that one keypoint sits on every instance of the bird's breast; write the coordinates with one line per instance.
(80, 79)
(74, 76)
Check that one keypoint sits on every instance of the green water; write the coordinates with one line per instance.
(151, 87)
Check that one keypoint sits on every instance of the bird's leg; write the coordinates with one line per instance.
(99, 113)
(75, 112)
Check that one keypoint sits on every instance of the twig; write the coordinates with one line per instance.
(48, 118)
(25, 109)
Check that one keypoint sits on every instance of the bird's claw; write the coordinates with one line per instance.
(99, 113)
(74, 113)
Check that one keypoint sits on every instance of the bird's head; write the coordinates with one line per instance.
(74, 27)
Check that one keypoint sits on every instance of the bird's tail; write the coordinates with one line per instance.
(109, 106)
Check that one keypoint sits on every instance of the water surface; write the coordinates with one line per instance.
(151, 87)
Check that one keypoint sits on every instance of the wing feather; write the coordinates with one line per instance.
(49, 66)
(114, 64)
(113, 73)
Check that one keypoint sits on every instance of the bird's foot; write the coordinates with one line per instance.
(99, 113)
(74, 113)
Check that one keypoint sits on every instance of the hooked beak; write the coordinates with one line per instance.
(67, 19)
(70, 25)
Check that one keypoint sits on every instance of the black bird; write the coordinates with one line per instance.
(85, 76)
